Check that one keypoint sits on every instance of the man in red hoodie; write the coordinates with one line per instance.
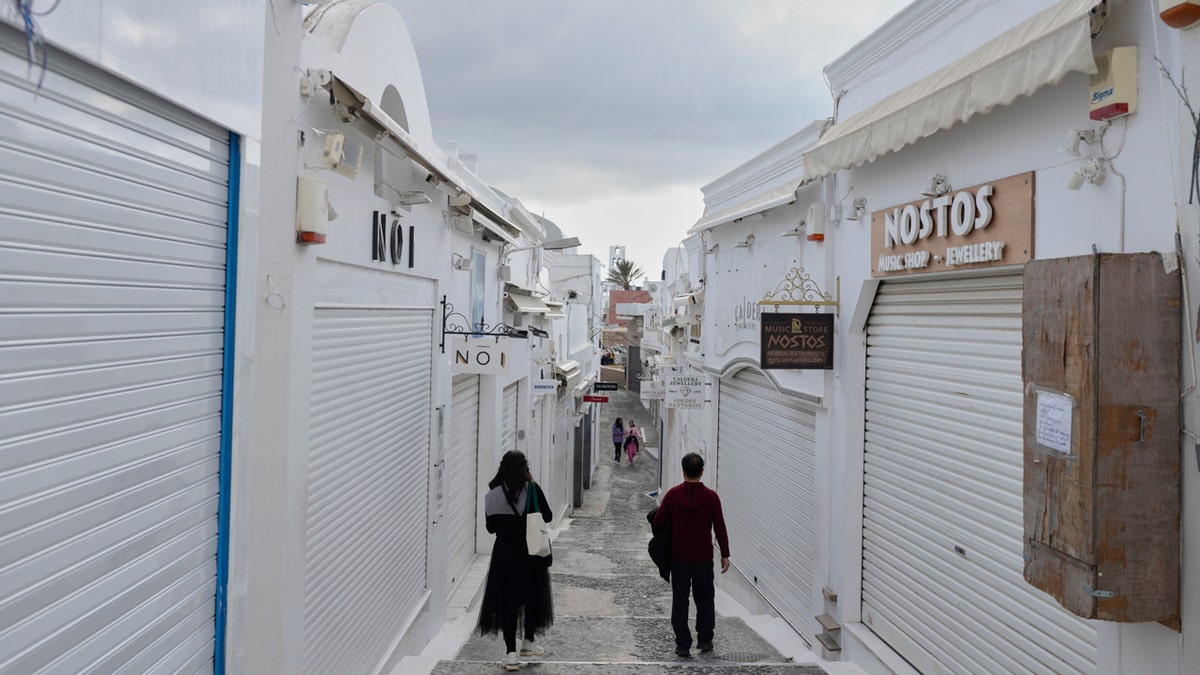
(694, 512)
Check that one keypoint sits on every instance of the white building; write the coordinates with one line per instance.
(877, 505)
(265, 343)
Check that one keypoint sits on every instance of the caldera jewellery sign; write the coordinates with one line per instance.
(796, 341)
(685, 392)
(981, 226)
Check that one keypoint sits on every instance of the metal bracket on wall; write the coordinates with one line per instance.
(456, 323)
(1097, 594)
(799, 289)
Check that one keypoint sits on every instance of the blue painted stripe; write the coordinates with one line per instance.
(231, 257)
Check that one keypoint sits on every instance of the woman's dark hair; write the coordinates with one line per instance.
(513, 473)
(619, 423)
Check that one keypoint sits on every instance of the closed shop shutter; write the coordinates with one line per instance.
(942, 521)
(508, 418)
(462, 460)
(368, 483)
(537, 453)
(113, 231)
(766, 479)
(693, 433)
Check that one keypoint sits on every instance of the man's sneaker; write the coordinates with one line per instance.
(530, 648)
(704, 647)
(510, 661)
(684, 652)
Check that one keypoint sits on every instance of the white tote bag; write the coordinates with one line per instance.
(537, 532)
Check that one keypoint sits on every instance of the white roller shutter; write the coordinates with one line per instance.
(368, 483)
(537, 416)
(766, 455)
(942, 522)
(113, 231)
(693, 433)
(508, 419)
(462, 460)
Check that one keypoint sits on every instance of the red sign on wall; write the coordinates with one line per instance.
(589, 398)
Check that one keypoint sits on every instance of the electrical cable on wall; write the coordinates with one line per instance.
(34, 38)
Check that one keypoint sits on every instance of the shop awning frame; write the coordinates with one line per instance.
(526, 304)
(777, 196)
(1041, 50)
(386, 127)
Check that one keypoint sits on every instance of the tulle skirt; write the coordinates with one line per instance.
(516, 583)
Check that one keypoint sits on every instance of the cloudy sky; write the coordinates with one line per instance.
(607, 117)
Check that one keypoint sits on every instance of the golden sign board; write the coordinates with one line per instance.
(985, 225)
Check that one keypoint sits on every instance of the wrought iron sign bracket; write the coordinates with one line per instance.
(456, 323)
(799, 289)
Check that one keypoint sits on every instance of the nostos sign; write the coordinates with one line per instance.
(796, 341)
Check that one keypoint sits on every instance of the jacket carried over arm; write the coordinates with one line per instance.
(695, 514)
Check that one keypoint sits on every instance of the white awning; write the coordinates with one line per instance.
(570, 371)
(527, 304)
(409, 147)
(1040, 51)
(778, 196)
(555, 310)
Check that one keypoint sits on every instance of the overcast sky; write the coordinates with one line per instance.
(607, 117)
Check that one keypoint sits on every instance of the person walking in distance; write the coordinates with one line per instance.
(633, 440)
(618, 437)
(694, 512)
(517, 589)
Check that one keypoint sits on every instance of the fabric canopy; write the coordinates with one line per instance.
(527, 304)
(778, 196)
(1040, 51)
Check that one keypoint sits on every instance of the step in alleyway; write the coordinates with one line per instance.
(612, 610)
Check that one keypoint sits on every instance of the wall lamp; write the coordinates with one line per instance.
(936, 186)
(745, 243)
(413, 197)
(858, 210)
(1092, 171)
(797, 231)
(1077, 136)
(460, 263)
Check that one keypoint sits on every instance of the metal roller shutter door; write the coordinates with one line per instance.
(942, 524)
(113, 231)
(462, 460)
(766, 454)
(693, 433)
(537, 453)
(508, 419)
(368, 483)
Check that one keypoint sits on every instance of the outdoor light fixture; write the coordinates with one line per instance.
(937, 186)
(745, 243)
(413, 197)
(1075, 137)
(1091, 172)
(460, 263)
(858, 210)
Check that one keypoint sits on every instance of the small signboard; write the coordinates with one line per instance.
(545, 386)
(591, 398)
(685, 392)
(485, 356)
(604, 386)
(796, 341)
(653, 390)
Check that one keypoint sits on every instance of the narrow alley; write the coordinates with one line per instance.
(612, 610)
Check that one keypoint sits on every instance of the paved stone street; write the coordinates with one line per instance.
(612, 609)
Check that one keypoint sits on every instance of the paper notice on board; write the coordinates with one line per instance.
(1054, 415)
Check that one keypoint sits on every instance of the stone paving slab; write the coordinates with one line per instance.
(533, 667)
(623, 639)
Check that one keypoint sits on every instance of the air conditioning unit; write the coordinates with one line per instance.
(814, 223)
(1179, 14)
(1114, 87)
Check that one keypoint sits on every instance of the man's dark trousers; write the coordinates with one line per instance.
(694, 579)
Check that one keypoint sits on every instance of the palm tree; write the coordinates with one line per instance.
(624, 273)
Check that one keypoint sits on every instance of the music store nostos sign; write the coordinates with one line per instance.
(796, 341)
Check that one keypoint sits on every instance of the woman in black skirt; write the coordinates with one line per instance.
(518, 585)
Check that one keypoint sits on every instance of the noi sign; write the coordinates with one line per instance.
(482, 355)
